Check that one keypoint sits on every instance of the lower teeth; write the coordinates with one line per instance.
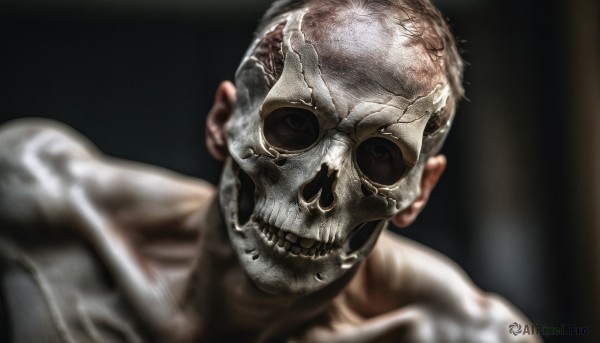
(277, 237)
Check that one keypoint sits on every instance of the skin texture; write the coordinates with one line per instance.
(99, 250)
(185, 283)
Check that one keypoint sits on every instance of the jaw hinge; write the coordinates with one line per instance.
(246, 196)
(360, 236)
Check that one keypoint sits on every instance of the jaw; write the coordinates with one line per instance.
(277, 260)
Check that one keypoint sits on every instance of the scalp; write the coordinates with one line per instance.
(417, 20)
(357, 44)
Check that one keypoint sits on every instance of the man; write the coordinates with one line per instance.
(331, 130)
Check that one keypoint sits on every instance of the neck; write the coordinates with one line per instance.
(227, 301)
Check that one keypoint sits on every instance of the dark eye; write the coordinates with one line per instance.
(291, 129)
(380, 160)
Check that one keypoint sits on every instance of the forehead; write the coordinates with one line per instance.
(364, 57)
(359, 75)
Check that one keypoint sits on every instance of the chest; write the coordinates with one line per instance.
(60, 290)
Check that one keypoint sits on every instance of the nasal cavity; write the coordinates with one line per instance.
(323, 182)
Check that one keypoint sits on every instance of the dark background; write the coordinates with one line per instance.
(518, 205)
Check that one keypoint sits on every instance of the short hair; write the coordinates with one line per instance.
(421, 20)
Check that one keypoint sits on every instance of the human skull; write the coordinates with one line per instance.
(325, 143)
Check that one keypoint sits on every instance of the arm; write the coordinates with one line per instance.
(52, 179)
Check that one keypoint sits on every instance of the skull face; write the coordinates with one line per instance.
(325, 143)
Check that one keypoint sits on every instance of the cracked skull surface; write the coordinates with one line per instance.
(325, 144)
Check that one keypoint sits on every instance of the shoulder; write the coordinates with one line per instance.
(402, 275)
(402, 270)
(42, 138)
(46, 168)
(35, 161)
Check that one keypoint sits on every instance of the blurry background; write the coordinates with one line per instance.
(519, 205)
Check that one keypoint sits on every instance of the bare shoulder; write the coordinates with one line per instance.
(430, 296)
(94, 214)
(46, 167)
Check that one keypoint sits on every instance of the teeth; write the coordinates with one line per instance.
(292, 238)
(307, 243)
(292, 243)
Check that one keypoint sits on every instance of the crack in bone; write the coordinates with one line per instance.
(315, 79)
(318, 66)
(302, 71)
(438, 95)
(387, 89)
(293, 86)
(366, 115)
(320, 94)
(333, 102)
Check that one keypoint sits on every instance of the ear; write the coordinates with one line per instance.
(218, 116)
(431, 174)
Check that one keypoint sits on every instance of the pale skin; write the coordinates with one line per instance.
(400, 292)
(173, 274)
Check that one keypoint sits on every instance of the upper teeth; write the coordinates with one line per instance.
(293, 243)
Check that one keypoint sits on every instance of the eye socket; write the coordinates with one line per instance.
(291, 129)
(380, 160)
